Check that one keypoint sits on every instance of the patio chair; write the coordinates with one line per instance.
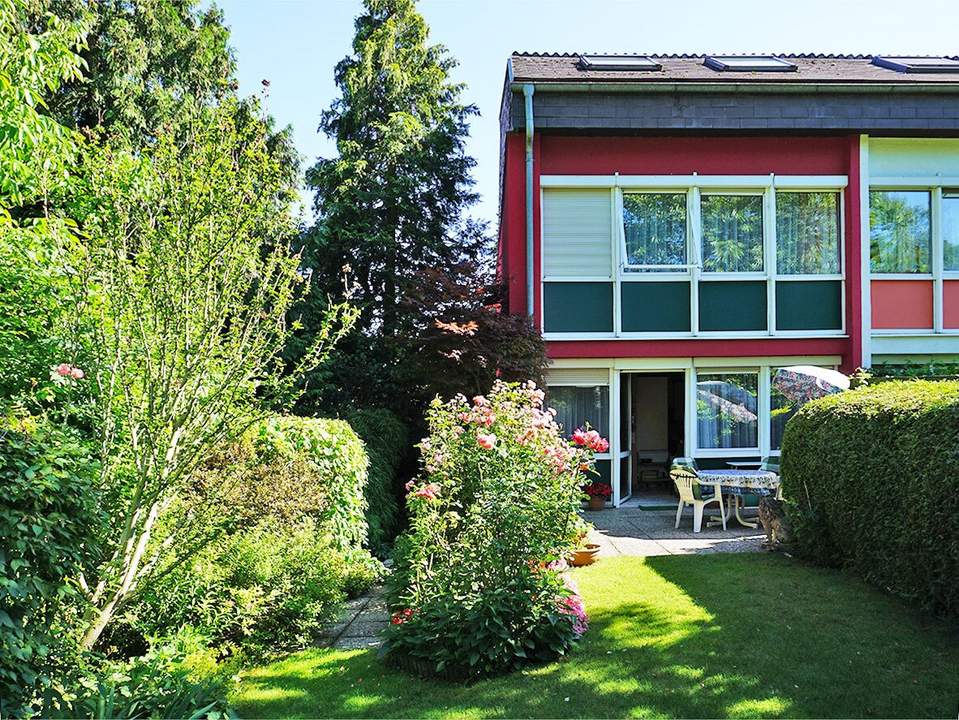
(692, 492)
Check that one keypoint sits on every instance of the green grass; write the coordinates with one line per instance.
(680, 636)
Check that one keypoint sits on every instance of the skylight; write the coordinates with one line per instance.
(748, 63)
(618, 62)
(918, 64)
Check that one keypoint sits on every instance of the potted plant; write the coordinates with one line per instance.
(599, 493)
(584, 552)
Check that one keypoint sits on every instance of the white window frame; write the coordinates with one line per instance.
(681, 271)
(935, 187)
(731, 452)
(694, 186)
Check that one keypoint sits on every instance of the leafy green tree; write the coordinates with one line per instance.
(189, 253)
(144, 61)
(391, 204)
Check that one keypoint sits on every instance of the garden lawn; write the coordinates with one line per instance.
(679, 636)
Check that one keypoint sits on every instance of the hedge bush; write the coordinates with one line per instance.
(872, 480)
(387, 445)
(48, 515)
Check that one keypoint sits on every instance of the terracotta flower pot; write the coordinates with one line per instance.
(597, 502)
(585, 555)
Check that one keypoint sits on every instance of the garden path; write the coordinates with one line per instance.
(359, 624)
(632, 531)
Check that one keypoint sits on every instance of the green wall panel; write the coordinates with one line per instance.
(732, 305)
(812, 305)
(578, 307)
(655, 306)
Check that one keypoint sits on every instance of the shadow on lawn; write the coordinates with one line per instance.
(697, 637)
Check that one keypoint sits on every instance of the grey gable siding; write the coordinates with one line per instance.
(678, 110)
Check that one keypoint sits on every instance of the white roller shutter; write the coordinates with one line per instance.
(577, 233)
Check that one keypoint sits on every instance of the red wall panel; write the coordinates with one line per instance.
(755, 347)
(950, 304)
(566, 155)
(901, 304)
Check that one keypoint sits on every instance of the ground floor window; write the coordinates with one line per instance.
(578, 406)
(727, 410)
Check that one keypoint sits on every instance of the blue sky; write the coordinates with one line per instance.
(295, 44)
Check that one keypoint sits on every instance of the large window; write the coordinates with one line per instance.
(654, 228)
(727, 410)
(900, 235)
(950, 229)
(807, 233)
(577, 407)
(732, 233)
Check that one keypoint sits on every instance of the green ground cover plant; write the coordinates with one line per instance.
(677, 636)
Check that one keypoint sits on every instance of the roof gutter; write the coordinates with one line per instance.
(744, 87)
(528, 98)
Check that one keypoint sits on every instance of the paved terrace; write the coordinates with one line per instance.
(631, 531)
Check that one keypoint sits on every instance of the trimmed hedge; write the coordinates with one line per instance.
(387, 445)
(872, 480)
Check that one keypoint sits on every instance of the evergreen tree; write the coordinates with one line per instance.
(391, 206)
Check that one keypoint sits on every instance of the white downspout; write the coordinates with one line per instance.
(528, 97)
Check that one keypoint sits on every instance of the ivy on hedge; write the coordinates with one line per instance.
(872, 479)
(331, 462)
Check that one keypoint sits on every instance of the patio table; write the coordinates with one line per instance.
(735, 483)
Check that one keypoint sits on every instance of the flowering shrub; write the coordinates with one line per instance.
(493, 514)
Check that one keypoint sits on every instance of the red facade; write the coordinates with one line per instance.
(673, 155)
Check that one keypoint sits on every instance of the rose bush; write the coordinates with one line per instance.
(478, 588)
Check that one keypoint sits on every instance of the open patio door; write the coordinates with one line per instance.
(626, 439)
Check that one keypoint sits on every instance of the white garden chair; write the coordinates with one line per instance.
(692, 492)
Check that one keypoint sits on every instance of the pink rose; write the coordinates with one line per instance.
(486, 441)
(64, 369)
(580, 437)
(428, 492)
(77, 373)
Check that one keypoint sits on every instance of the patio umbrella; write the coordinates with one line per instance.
(802, 383)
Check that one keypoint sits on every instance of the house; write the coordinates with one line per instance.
(679, 227)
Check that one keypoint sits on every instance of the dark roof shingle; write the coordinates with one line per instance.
(810, 69)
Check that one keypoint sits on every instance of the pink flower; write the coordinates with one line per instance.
(595, 442)
(573, 606)
(401, 616)
(410, 485)
(486, 441)
(480, 401)
(580, 437)
(64, 369)
(428, 492)
(76, 373)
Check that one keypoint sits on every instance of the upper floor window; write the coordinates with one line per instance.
(899, 231)
(950, 229)
(654, 228)
(732, 233)
(807, 233)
